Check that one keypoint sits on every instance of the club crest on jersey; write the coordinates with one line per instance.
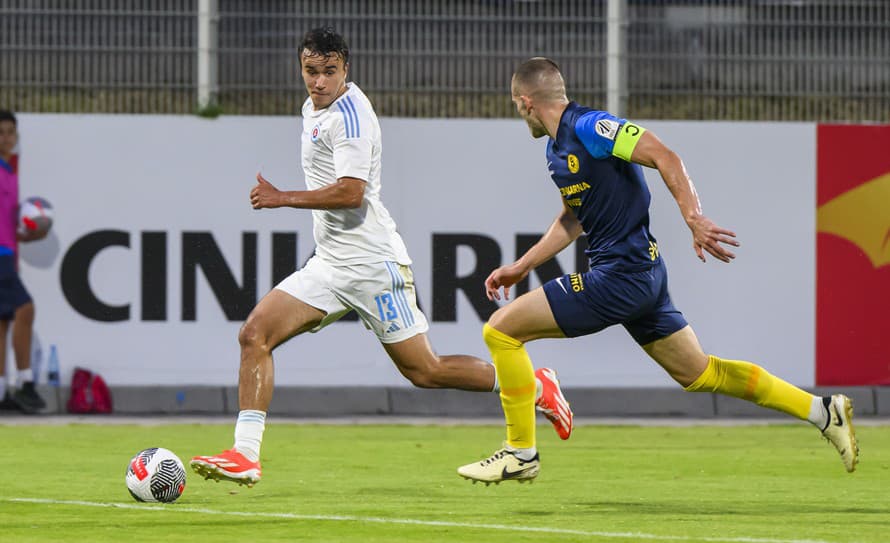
(573, 163)
(314, 134)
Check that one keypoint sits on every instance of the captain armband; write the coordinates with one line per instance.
(626, 140)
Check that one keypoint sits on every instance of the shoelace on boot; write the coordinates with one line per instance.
(496, 456)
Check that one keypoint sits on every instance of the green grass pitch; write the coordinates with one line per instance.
(392, 483)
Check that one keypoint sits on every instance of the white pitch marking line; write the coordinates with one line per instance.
(381, 520)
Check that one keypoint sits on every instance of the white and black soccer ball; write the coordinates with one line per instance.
(156, 475)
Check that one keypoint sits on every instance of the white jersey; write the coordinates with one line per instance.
(343, 140)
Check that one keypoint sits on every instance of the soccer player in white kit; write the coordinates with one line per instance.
(360, 264)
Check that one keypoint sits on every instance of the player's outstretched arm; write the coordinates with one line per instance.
(706, 236)
(564, 230)
(346, 193)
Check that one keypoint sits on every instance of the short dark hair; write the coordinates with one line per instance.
(540, 77)
(6, 115)
(529, 71)
(325, 41)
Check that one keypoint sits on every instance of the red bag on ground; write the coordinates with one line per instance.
(89, 393)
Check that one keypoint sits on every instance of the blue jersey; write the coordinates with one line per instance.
(589, 160)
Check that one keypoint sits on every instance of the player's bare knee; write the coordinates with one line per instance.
(251, 337)
(496, 321)
(495, 338)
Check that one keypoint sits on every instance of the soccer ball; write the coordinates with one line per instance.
(35, 215)
(156, 475)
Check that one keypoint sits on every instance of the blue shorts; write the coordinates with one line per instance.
(585, 303)
(12, 292)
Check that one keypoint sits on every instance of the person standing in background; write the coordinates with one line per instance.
(16, 305)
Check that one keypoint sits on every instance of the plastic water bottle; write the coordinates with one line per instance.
(36, 362)
(52, 370)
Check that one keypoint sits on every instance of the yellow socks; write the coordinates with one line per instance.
(517, 380)
(750, 382)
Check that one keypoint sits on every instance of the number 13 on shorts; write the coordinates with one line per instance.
(386, 307)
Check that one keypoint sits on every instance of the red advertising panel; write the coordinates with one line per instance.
(853, 255)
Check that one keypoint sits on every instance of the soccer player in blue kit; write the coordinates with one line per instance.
(594, 158)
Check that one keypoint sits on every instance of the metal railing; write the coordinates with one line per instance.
(778, 60)
(97, 55)
(656, 59)
(415, 59)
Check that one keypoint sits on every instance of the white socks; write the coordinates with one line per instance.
(524, 454)
(21, 377)
(249, 433)
(819, 412)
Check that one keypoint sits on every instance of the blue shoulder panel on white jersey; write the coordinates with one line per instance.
(597, 130)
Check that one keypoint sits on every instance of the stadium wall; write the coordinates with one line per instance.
(156, 256)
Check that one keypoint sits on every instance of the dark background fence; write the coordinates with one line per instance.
(694, 59)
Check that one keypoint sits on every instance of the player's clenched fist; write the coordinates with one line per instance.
(264, 194)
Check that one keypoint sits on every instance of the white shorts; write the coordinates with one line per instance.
(381, 293)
